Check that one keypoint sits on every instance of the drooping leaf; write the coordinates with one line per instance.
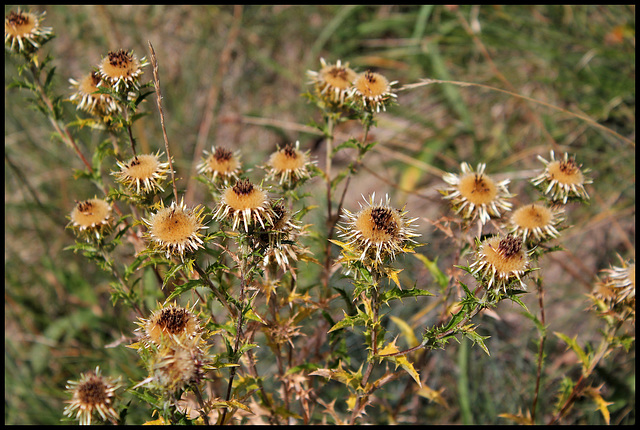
(400, 360)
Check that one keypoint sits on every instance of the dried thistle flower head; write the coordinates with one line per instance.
(373, 89)
(169, 325)
(563, 179)
(333, 82)
(91, 217)
(501, 262)
(278, 241)
(376, 232)
(289, 164)
(221, 164)
(476, 194)
(244, 202)
(87, 98)
(92, 393)
(175, 230)
(22, 27)
(179, 366)
(535, 223)
(142, 174)
(622, 279)
(122, 70)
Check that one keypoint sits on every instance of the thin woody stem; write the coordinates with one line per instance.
(156, 83)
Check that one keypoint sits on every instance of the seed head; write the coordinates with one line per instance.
(122, 70)
(143, 173)
(23, 32)
(169, 325)
(562, 179)
(333, 82)
(175, 230)
(87, 98)
(500, 262)
(535, 223)
(92, 393)
(377, 232)
(221, 164)
(288, 164)
(244, 202)
(476, 194)
(373, 90)
(91, 218)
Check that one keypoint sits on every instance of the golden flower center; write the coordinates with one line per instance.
(532, 216)
(478, 189)
(243, 196)
(173, 225)
(288, 158)
(119, 65)
(565, 172)
(506, 255)
(222, 161)
(378, 224)
(89, 84)
(93, 392)
(338, 77)
(90, 212)
(371, 84)
(142, 166)
(20, 24)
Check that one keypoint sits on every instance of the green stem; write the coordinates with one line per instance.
(463, 382)
(244, 280)
(540, 351)
(374, 351)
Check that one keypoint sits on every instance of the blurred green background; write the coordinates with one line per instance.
(233, 76)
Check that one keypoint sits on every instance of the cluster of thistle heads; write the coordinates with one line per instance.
(502, 260)
(172, 340)
(338, 87)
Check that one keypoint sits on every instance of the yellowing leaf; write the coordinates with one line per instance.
(399, 360)
(159, 422)
(602, 405)
(433, 395)
(351, 402)
(347, 377)
(393, 275)
(520, 418)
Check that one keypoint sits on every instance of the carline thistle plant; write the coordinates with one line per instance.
(247, 277)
